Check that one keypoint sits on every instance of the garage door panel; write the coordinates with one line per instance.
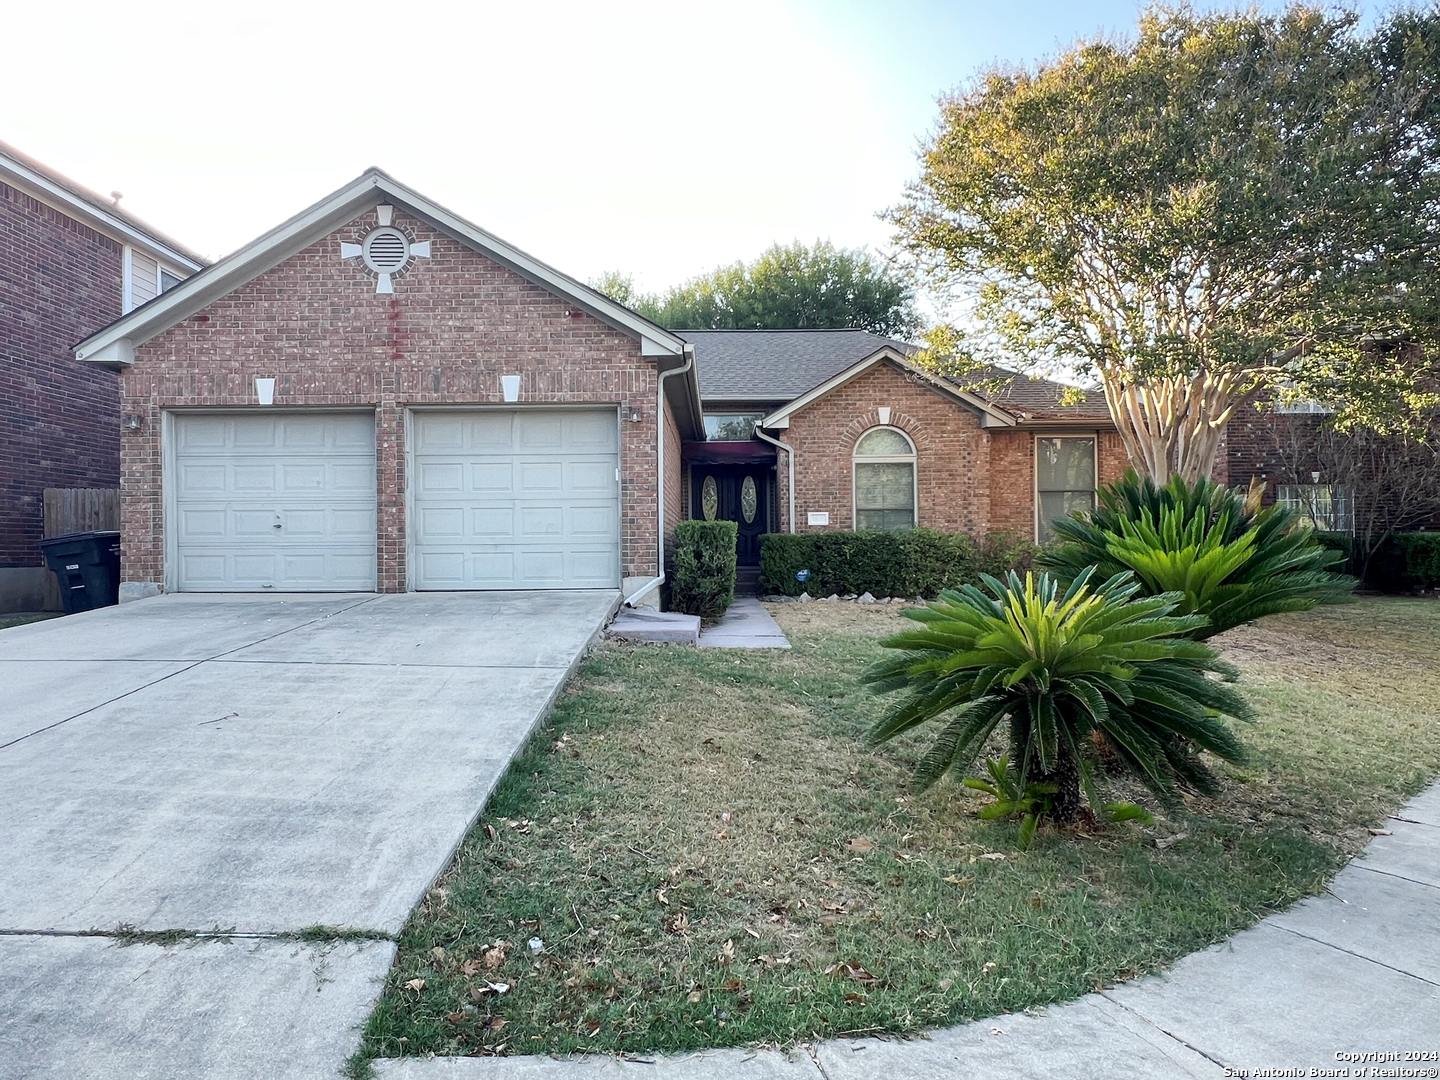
(241, 476)
(441, 524)
(441, 476)
(539, 494)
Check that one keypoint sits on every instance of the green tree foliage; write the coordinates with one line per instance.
(1226, 559)
(792, 287)
(1062, 666)
(1225, 204)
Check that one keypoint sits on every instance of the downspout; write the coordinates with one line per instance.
(790, 458)
(659, 579)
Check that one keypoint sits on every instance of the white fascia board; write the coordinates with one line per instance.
(117, 356)
(655, 338)
(49, 192)
(195, 293)
(990, 415)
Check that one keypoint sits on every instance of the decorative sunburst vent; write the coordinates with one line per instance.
(385, 251)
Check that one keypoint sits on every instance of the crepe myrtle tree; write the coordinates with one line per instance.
(1222, 205)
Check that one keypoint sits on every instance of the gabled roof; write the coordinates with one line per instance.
(114, 346)
(990, 415)
(777, 365)
(1002, 398)
(105, 215)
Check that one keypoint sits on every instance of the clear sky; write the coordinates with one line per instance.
(656, 138)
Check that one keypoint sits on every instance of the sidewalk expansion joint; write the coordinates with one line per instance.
(1166, 1032)
(1357, 955)
(1391, 874)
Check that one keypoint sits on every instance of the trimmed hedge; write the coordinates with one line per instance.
(916, 562)
(704, 582)
(1406, 562)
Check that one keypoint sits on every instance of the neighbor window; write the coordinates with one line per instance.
(731, 427)
(1064, 479)
(884, 480)
(145, 279)
(1323, 506)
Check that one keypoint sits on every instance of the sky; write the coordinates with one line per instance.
(658, 139)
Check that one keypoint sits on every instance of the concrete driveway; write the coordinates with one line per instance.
(257, 765)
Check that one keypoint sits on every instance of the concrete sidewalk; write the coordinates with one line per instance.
(745, 625)
(260, 766)
(1354, 971)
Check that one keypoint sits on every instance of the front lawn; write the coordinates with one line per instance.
(707, 855)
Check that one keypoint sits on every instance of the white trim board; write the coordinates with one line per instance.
(991, 416)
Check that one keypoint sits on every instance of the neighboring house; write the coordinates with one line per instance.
(378, 395)
(839, 429)
(70, 262)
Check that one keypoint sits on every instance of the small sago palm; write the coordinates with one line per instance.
(1231, 561)
(1059, 665)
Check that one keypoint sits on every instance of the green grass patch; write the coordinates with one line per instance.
(708, 856)
(7, 621)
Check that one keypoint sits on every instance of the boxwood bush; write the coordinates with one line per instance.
(916, 562)
(1405, 562)
(704, 581)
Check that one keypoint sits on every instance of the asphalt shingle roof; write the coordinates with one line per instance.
(777, 365)
(780, 365)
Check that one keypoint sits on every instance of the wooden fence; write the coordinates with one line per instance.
(73, 510)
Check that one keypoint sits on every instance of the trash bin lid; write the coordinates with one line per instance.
(71, 538)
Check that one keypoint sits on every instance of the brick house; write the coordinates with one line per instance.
(70, 262)
(838, 429)
(379, 395)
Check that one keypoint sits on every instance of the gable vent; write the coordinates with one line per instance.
(386, 251)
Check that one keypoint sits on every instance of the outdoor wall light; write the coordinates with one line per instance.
(132, 423)
(510, 387)
(265, 391)
(632, 414)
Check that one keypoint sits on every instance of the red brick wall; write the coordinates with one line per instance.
(971, 479)
(456, 323)
(952, 451)
(60, 281)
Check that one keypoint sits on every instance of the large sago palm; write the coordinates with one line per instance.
(1058, 666)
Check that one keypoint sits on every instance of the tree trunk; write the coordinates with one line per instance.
(1067, 805)
(1171, 426)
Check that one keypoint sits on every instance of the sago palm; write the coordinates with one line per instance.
(1058, 665)
(1230, 561)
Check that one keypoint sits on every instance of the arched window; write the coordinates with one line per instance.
(884, 480)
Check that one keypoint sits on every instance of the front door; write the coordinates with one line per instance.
(738, 493)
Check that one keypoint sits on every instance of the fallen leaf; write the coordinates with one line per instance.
(861, 845)
(722, 835)
(455, 1017)
(471, 968)
(854, 999)
(1171, 841)
(660, 896)
(945, 984)
(495, 1023)
(902, 855)
(993, 856)
(495, 957)
(1380, 832)
(955, 879)
(752, 933)
(726, 955)
(415, 984)
(989, 967)
(694, 996)
(437, 954)
(734, 986)
(833, 907)
(851, 970)
(592, 1027)
(679, 924)
(491, 832)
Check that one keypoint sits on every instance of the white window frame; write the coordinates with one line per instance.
(1093, 436)
(1342, 501)
(127, 277)
(912, 459)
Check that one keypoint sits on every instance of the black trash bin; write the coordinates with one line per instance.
(88, 566)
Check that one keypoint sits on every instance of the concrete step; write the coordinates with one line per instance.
(642, 624)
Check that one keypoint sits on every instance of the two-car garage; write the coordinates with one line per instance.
(496, 499)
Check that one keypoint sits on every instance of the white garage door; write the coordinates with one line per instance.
(516, 499)
(282, 502)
